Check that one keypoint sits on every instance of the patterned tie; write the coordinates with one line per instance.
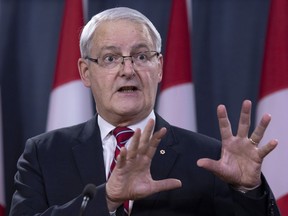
(122, 135)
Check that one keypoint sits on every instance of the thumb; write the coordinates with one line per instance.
(208, 164)
(167, 184)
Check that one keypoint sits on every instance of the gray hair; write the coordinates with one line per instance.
(118, 13)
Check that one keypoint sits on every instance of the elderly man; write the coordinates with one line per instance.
(162, 169)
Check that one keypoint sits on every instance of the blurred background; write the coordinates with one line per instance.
(225, 51)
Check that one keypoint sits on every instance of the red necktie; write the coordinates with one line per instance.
(122, 135)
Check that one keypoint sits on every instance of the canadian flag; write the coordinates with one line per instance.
(274, 100)
(70, 102)
(2, 186)
(176, 100)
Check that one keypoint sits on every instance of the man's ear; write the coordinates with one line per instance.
(160, 69)
(84, 72)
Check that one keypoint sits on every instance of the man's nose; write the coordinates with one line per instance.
(127, 66)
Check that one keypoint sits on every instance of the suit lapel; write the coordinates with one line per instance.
(88, 154)
(163, 161)
(165, 154)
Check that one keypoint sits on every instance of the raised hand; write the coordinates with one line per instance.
(131, 178)
(241, 157)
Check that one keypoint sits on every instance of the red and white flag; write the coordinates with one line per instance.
(2, 185)
(274, 100)
(176, 100)
(70, 101)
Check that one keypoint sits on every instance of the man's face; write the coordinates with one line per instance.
(124, 94)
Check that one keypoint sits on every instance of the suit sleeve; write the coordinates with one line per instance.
(30, 197)
(245, 204)
(262, 204)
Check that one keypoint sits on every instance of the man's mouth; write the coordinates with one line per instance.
(128, 89)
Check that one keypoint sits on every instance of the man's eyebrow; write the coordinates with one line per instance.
(109, 48)
(118, 49)
(139, 46)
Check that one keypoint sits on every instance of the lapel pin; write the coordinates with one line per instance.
(162, 151)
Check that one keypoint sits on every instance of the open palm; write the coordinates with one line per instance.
(131, 178)
(241, 158)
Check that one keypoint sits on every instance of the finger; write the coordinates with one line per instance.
(259, 131)
(154, 142)
(224, 123)
(209, 164)
(166, 184)
(145, 137)
(158, 186)
(244, 120)
(121, 158)
(266, 149)
(133, 147)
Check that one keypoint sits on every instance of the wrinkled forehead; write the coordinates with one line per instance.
(122, 34)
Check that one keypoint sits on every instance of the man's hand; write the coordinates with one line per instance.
(131, 178)
(241, 158)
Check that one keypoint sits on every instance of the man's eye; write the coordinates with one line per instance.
(109, 58)
(141, 57)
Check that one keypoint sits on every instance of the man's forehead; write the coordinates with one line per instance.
(137, 46)
(127, 35)
(118, 28)
(123, 23)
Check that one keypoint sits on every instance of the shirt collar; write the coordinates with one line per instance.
(106, 127)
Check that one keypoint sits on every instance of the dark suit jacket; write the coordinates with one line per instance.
(56, 166)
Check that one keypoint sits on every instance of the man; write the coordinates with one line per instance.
(163, 170)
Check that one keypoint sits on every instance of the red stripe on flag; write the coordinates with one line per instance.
(176, 101)
(275, 67)
(273, 99)
(2, 185)
(2, 211)
(177, 60)
(283, 205)
(70, 101)
(69, 52)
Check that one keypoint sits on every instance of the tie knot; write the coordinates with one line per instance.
(122, 135)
